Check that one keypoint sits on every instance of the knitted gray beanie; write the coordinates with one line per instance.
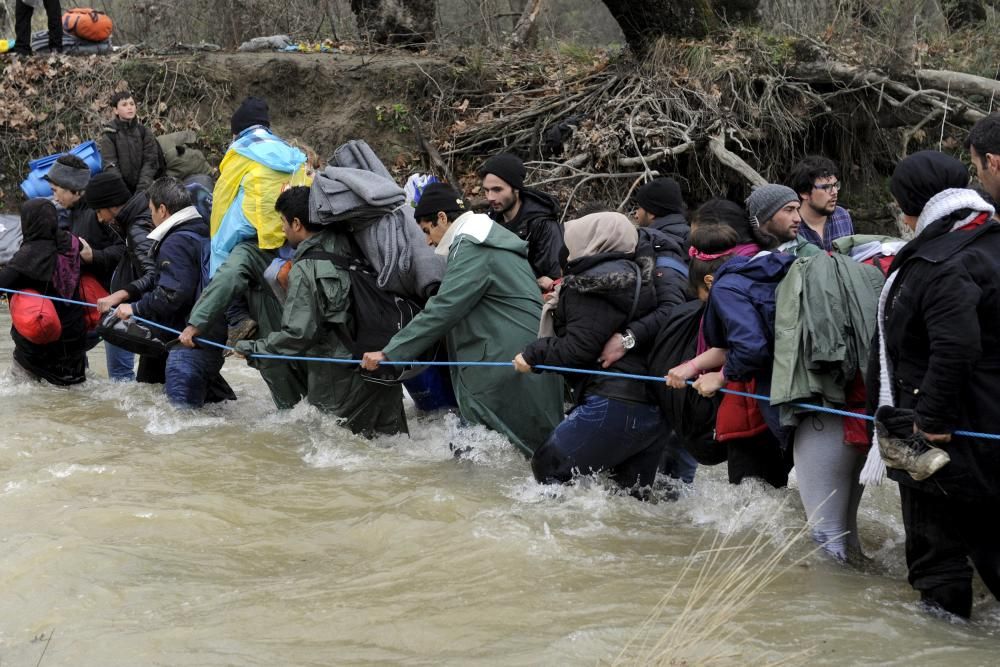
(766, 200)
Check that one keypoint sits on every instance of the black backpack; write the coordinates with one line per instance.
(376, 314)
(691, 415)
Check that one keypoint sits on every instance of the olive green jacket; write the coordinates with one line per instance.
(824, 323)
(243, 273)
(317, 301)
(488, 308)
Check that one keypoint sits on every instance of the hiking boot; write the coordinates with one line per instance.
(903, 449)
(244, 330)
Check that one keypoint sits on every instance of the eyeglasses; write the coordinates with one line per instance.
(828, 186)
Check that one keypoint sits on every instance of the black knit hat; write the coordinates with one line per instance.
(253, 111)
(507, 167)
(661, 196)
(106, 190)
(438, 197)
(922, 175)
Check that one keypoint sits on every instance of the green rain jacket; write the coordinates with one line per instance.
(317, 301)
(243, 273)
(823, 328)
(488, 308)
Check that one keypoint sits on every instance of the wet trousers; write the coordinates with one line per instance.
(827, 471)
(943, 533)
(603, 433)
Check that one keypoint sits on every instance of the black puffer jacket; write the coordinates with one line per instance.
(136, 271)
(942, 334)
(129, 147)
(671, 285)
(595, 300)
(537, 223)
(107, 244)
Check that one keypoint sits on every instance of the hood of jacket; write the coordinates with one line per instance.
(259, 144)
(118, 125)
(674, 225)
(480, 229)
(606, 273)
(534, 204)
(762, 268)
(665, 243)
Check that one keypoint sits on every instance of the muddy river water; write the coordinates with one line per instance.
(134, 534)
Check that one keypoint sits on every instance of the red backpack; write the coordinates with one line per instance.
(35, 317)
(90, 291)
(87, 24)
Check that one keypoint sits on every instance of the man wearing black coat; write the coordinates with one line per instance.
(128, 217)
(531, 214)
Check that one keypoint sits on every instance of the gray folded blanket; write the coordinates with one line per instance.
(357, 195)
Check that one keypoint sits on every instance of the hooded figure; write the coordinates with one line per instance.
(253, 172)
(49, 263)
(939, 359)
(615, 425)
(487, 309)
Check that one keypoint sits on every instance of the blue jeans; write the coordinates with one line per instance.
(189, 373)
(604, 434)
(677, 461)
(121, 363)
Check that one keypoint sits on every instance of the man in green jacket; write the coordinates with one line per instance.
(243, 273)
(488, 308)
(317, 301)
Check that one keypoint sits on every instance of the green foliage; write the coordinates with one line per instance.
(394, 115)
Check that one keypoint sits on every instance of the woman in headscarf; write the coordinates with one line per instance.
(616, 424)
(938, 372)
(49, 263)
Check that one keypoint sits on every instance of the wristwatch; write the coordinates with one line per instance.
(628, 339)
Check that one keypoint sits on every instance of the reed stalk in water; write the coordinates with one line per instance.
(726, 584)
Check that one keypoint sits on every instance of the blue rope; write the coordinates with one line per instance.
(492, 364)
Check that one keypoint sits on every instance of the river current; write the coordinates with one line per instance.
(135, 534)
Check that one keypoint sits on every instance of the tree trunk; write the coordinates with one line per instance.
(395, 22)
(644, 21)
(524, 31)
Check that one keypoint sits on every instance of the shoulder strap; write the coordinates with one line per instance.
(672, 263)
(342, 261)
(635, 297)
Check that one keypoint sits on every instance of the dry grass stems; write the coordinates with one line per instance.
(728, 577)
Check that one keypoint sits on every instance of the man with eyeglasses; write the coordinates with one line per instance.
(816, 180)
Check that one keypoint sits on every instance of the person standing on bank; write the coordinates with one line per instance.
(23, 11)
(939, 361)
(127, 146)
(487, 308)
(531, 214)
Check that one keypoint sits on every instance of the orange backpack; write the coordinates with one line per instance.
(88, 24)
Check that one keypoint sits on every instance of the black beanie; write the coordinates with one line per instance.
(506, 166)
(106, 190)
(438, 197)
(253, 111)
(922, 175)
(661, 196)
